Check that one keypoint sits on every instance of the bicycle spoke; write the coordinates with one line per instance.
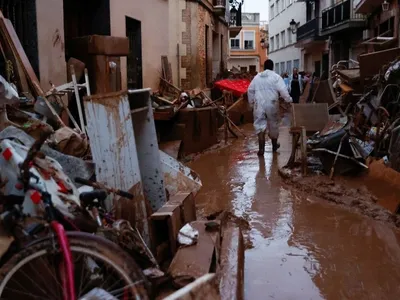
(38, 275)
(26, 293)
(120, 292)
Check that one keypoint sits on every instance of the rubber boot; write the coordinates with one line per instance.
(275, 145)
(261, 144)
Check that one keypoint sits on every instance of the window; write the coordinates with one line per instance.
(252, 69)
(289, 66)
(278, 6)
(277, 68)
(296, 63)
(249, 38)
(277, 41)
(289, 35)
(272, 11)
(283, 67)
(283, 38)
(272, 44)
(235, 43)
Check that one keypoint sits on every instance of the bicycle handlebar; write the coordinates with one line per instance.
(100, 186)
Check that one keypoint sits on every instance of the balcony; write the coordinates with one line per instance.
(308, 31)
(220, 7)
(235, 22)
(341, 17)
(366, 6)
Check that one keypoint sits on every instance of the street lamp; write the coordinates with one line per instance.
(385, 5)
(293, 25)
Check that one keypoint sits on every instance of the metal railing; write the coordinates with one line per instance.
(339, 13)
(309, 29)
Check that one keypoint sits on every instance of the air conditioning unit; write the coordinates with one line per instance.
(366, 34)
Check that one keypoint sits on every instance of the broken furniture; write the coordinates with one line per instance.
(102, 56)
(72, 87)
(306, 117)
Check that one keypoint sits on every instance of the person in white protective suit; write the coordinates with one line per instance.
(263, 95)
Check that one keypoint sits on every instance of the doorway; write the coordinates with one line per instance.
(317, 68)
(134, 62)
(325, 66)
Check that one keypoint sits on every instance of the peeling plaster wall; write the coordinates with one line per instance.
(153, 15)
(50, 29)
(196, 17)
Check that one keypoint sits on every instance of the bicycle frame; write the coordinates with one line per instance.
(67, 266)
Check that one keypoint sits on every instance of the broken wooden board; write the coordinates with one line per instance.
(231, 268)
(7, 30)
(192, 262)
(202, 288)
(313, 116)
(324, 93)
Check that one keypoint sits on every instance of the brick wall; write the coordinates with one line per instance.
(187, 42)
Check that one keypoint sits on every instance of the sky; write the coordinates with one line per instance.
(254, 6)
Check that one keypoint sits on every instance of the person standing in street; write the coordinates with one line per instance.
(295, 85)
(263, 95)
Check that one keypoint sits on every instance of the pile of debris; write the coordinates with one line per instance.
(355, 120)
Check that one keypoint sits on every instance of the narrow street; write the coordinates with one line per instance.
(300, 248)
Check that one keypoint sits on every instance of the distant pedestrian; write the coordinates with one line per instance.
(286, 80)
(263, 95)
(295, 85)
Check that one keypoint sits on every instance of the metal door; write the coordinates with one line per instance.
(134, 65)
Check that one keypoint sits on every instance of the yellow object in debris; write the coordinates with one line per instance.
(345, 88)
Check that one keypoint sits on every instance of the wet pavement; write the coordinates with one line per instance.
(303, 248)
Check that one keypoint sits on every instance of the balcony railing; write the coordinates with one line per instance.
(308, 30)
(220, 7)
(338, 14)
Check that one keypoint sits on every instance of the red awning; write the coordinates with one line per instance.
(237, 86)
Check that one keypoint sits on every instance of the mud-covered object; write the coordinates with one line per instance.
(72, 166)
(69, 142)
(8, 95)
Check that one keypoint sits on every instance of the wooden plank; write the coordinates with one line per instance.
(202, 288)
(8, 31)
(195, 261)
(313, 116)
(371, 63)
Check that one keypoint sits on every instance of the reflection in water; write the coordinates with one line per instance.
(303, 248)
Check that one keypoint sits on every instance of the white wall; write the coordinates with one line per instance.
(278, 23)
(153, 15)
(50, 26)
(238, 62)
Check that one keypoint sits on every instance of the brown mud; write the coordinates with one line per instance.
(303, 246)
(358, 199)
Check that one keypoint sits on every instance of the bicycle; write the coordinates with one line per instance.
(57, 264)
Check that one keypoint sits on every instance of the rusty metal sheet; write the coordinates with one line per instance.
(192, 262)
(113, 146)
(178, 178)
(147, 147)
(313, 116)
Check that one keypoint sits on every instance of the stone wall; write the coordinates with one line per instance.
(198, 60)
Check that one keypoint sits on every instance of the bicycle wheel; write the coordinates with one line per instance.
(34, 273)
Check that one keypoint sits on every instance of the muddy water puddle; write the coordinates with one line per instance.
(303, 248)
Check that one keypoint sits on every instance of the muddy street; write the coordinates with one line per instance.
(301, 247)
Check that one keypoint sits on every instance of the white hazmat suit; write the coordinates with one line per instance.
(263, 95)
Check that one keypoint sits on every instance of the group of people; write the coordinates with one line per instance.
(263, 95)
(295, 83)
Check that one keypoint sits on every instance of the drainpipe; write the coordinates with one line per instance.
(178, 64)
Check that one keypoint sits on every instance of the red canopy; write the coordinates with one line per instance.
(237, 86)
